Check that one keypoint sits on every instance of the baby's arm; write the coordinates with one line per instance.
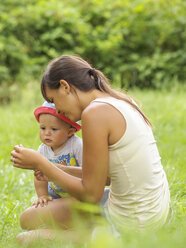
(42, 193)
(72, 170)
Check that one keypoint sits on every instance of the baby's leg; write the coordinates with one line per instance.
(57, 213)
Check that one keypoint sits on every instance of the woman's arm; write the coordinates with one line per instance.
(75, 171)
(95, 131)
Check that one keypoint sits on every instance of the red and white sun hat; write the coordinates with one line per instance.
(49, 108)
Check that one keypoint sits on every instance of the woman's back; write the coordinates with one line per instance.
(139, 190)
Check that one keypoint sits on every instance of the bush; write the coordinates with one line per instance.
(136, 43)
(142, 43)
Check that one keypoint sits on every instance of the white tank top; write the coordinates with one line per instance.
(139, 191)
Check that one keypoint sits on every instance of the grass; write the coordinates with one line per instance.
(167, 112)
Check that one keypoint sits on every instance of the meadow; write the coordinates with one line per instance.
(167, 111)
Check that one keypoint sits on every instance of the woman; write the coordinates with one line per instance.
(117, 143)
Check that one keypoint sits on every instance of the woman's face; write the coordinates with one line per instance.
(66, 102)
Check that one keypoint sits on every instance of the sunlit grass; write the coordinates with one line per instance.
(167, 112)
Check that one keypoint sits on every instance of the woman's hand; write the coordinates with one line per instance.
(25, 158)
(42, 201)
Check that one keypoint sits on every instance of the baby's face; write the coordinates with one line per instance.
(54, 132)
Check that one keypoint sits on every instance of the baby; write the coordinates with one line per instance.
(59, 145)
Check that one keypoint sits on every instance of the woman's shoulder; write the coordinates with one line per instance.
(98, 105)
(96, 111)
(102, 118)
(102, 115)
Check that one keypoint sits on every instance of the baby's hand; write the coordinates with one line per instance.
(40, 176)
(42, 201)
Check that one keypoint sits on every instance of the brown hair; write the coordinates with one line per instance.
(79, 73)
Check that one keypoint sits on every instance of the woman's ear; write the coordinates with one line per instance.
(65, 86)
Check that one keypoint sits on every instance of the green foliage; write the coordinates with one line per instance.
(135, 43)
